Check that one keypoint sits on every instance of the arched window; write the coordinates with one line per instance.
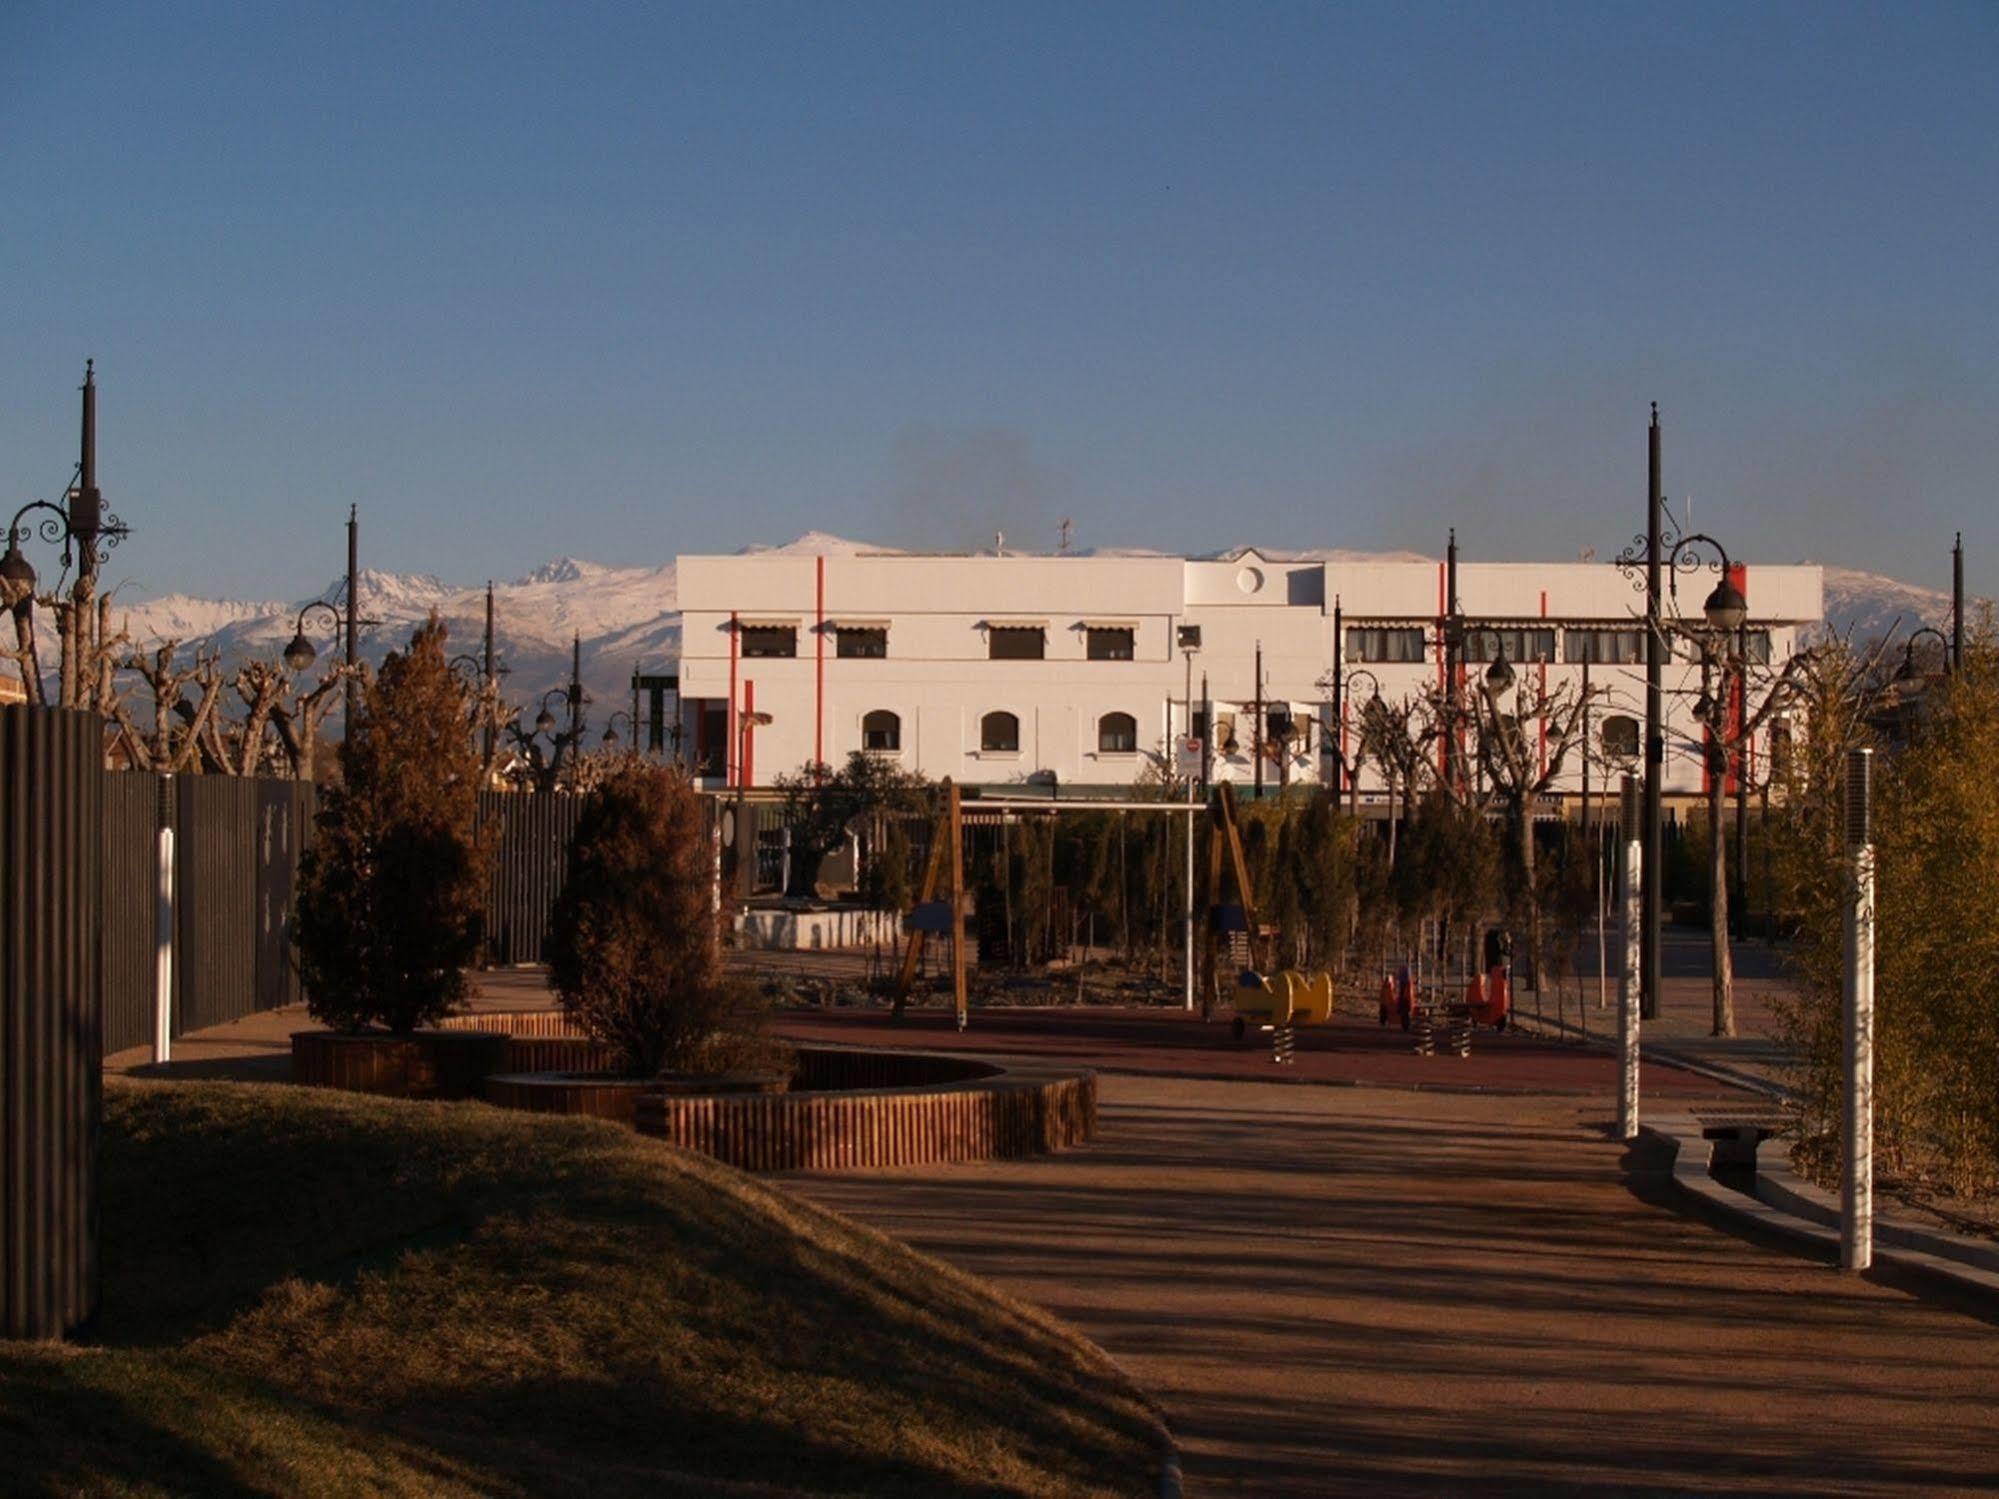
(881, 730)
(1117, 734)
(999, 732)
(1620, 737)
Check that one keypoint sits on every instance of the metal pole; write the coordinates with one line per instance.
(491, 707)
(635, 710)
(1655, 732)
(1256, 742)
(1187, 915)
(1207, 738)
(1448, 743)
(1957, 604)
(576, 692)
(1339, 723)
(1628, 1007)
(1856, 1183)
(1739, 907)
(353, 611)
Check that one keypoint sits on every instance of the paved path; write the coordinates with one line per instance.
(1339, 1290)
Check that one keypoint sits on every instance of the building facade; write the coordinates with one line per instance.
(1060, 675)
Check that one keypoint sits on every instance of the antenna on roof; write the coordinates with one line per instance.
(1067, 526)
(999, 543)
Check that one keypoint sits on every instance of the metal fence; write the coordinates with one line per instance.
(528, 835)
(51, 1013)
(237, 842)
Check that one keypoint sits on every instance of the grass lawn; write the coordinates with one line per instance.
(309, 1292)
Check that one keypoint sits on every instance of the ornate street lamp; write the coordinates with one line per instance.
(611, 730)
(301, 653)
(544, 721)
(1907, 672)
(1499, 675)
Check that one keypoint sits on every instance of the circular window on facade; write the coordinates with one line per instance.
(1249, 579)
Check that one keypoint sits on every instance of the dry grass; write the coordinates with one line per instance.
(310, 1293)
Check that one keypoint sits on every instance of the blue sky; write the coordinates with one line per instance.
(622, 281)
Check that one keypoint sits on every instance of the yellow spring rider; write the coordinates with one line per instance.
(1279, 1002)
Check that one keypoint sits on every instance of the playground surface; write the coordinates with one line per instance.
(1337, 1290)
(1157, 1041)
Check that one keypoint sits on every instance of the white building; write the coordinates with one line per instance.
(1022, 672)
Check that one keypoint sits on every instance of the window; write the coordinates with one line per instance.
(1620, 737)
(861, 644)
(770, 640)
(1117, 734)
(1108, 643)
(1369, 643)
(999, 733)
(1483, 644)
(1756, 647)
(1604, 647)
(881, 730)
(1016, 642)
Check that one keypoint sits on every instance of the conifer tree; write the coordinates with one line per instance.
(391, 892)
(632, 950)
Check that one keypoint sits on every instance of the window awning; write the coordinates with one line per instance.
(857, 624)
(765, 622)
(1110, 624)
(1016, 624)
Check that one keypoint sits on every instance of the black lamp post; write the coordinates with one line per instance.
(1662, 554)
(85, 530)
(611, 730)
(301, 653)
(1907, 671)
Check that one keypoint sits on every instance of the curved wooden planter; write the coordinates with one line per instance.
(592, 1094)
(921, 1108)
(544, 1022)
(580, 1093)
(423, 1064)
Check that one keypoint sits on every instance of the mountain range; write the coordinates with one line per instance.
(628, 618)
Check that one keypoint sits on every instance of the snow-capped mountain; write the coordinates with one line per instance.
(1872, 606)
(628, 618)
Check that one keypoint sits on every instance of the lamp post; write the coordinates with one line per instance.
(1908, 670)
(546, 724)
(1661, 548)
(1957, 604)
(85, 530)
(1722, 646)
(611, 730)
(1341, 687)
(301, 653)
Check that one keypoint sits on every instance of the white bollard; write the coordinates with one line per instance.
(163, 952)
(1628, 1009)
(1856, 1183)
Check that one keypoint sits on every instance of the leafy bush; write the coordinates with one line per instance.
(391, 892)
(632, 939)
(1936, 832)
